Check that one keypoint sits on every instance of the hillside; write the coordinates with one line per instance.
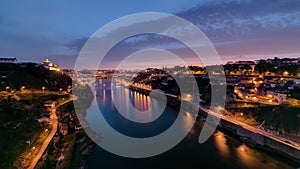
(32, 76)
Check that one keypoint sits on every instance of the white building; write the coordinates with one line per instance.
(50, 104)
(279, 97)
(297, 82)
(49, 65)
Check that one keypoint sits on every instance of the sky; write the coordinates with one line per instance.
(34, 30)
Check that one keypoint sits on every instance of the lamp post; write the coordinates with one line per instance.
(43, 88)
(22, 88)
(69, 89)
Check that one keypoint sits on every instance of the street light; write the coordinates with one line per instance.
(69, 89)
(7, 88)
(43, 88)
(22, 88)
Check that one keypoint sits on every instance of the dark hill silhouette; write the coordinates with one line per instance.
(32, 76)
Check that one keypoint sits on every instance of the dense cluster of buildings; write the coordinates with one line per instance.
(259, 84)
(246, 81)
(284, 61)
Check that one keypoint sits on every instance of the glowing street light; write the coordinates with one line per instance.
(286, 73)
(7, 88)
(22, 88)
(43, 88)
(69, 89)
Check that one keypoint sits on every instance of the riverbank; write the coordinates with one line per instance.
(259, 141)
(82, 150)
(264, 149)
(256, 138)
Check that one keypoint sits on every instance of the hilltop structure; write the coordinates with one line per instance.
(49, 65)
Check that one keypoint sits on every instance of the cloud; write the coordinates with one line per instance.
(238, 27)
(76, 44)
(244, 15)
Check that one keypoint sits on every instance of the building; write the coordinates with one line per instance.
(279, 97)
(43, 119)
(297, 82)
(49, 65)
(8, 60)
(289, 61)
(63, 128)
(284, 61)
(50, 104)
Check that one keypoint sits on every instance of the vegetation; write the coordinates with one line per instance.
(284, 119)
(281, 118)
(295, 93)
(264, 66)
(60, 145)
(17, 124)
(79, 154)
(74, 153)
(32, 76)
(84, 98)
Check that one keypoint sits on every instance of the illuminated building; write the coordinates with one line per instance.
(49, 65)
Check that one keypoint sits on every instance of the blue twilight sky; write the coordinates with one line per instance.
(33, 30)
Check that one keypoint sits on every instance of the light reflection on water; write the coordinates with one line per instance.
(248, 157)
(221, 144)
(220, 151)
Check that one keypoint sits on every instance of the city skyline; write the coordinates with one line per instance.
(146, 84)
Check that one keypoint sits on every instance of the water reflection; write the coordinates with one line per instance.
(221, 143)
(187, 120)
(230, 148)
(220, 151)
(141, 106)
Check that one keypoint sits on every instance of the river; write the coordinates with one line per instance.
(219, 151)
